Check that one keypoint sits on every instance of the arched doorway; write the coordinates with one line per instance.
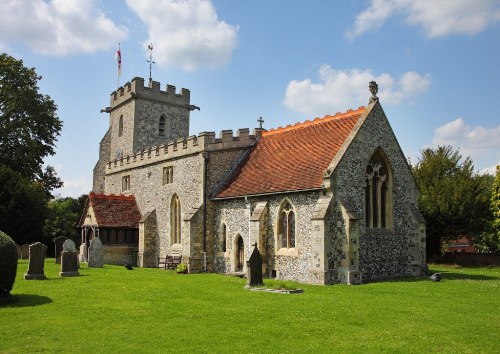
(240, 254)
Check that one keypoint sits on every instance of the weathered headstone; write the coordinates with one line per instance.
(69, 246)
(96, 254)
(82, 257)
(69, 264)
(435, 277)
(25, 251)
(19, 253)
(37, 252)
(254, 268)
(59, 241)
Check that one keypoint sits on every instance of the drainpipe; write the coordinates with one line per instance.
(205, 172)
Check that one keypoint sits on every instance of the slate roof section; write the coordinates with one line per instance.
(115, 210)
(290, 159)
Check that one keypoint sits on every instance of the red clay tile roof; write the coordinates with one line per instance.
(115, 210)
(293, 158)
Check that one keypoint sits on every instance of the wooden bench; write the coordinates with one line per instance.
(169, 262)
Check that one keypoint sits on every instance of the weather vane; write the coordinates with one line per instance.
(151, 62)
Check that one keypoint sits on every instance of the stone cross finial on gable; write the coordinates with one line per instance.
(260, 120)
(373, 87)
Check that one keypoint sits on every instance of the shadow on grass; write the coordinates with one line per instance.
(445, 274)
(28, 300)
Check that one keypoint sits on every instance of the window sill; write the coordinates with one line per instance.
(287, 252)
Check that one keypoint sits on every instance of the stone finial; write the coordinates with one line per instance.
(373, 87)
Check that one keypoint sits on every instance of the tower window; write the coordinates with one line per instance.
(125, 183)
(120, 126)
(161, 126)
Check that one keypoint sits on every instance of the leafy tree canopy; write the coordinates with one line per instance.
(495, 203)
(63, 217)
(453, 198)
(29, 124)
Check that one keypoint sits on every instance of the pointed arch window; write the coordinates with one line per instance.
(286, 226)
(161, 126)
(120, 126)
(223, 237)
(175, 219)
(378, 195)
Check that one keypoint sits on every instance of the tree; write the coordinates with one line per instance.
(28, 123)
(23, 207)
(495, 204)
(453, 199)
(63, 217)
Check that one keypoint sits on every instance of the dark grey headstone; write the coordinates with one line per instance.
(19, 253)
(59, 241)
(69, 264)
(254, 268)
(435, 277)
(36, 264)
(96, 254)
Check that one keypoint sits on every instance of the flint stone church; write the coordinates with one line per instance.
(330, 200)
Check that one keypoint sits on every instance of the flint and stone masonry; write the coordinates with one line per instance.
(178, 181)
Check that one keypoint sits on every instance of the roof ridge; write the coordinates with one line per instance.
(315, 121)
(112, 196)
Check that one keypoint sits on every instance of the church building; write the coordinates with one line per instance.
(330, 200)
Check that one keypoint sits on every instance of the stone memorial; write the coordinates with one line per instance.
(69, 246)
(96, 254)
(37, 253)
(69, 264)
(254, 268)
(58, 241)
(19, 253)
(25, 251)
(82, 257)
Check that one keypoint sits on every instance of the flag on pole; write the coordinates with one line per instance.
(118, 58)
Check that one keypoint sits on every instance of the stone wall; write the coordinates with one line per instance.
(383, 252)
(98, 185)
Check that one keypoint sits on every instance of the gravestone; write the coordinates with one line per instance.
(37, 252)
(96, 254)
(69, 264)
(25, 251)
(19, 253)
(69, 246)
(254, 268)
(59, 241)
(82, 257)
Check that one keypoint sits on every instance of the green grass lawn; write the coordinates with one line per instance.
(114, 310)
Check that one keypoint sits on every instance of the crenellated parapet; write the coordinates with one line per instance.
(204, 142)
(136, 89)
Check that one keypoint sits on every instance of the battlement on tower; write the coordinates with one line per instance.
(136, 89)
(204, 142)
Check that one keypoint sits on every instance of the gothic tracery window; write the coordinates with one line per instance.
(175, 219)
(286, 226)
(377, 192)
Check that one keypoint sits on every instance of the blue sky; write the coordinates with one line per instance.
(436, 63)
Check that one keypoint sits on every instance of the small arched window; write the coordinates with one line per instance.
(378, 195)
(175, 219)
(120, 126)
(161, 126)
(286, 226)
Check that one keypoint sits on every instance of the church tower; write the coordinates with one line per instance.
(141, 117)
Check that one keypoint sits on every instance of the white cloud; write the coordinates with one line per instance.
(186, 34)
(57, 27)
(74, 187)
(338, 90)
(436, 18)
(479, 143)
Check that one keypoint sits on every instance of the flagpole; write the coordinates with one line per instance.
(119, 58)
